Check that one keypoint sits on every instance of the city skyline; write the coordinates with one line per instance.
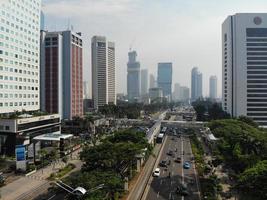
(134, 15)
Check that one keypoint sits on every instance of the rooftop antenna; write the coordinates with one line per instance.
(68, 24)
(132, 43)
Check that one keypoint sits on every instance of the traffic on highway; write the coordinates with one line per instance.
(174, 175)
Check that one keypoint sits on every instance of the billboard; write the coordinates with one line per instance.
(20, 153)
(20, 157)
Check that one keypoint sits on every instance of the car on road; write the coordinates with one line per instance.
(170, 153)
(2, 179)
(156, 172)
(178, 159)
(186, 165)
(163, 163)
(182, 190)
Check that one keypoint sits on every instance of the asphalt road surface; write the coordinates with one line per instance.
(164, 187)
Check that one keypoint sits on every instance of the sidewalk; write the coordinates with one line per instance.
(21, 188)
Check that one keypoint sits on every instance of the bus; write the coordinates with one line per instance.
(163, 130)
(160, 138)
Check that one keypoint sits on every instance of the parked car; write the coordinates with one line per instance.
(156, 173)
(2, 179)
(186, 165)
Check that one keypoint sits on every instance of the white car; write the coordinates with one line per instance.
(156, 173)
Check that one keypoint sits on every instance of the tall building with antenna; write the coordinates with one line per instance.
(133, 77)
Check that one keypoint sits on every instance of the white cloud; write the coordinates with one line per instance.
(83, 8)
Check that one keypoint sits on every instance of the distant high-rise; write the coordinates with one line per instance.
(19, 56)
(155, 95)
(112, 97)
(62, 73)
(244, 80)
(213, 87)
(86, 90)
(196, 84)
(144, 82)
(185, 94)
(165, 79)
(133, 77)
(103, 72)
(152, 81)
(176, 92)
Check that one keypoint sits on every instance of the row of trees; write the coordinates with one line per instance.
(243, 148)
(111, 163)
(208, 110)
(133, 110)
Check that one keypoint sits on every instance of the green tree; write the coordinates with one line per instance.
(253, 181)
(248, 121)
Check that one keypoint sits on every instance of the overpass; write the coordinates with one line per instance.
(184, 124)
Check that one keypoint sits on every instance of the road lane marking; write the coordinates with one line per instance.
(51, 197)
(161, 182)
(158, 195)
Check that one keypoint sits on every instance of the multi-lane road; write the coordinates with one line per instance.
(164, 186)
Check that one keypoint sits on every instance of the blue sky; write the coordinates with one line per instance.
(185, 32)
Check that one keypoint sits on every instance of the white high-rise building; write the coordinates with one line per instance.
(196, 84)
(19, 55)
(86, 90)
(213, 87)
(103, 72)
(244, 69)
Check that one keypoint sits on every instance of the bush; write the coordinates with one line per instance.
(31, 167)
(65, 159)
(62, 172)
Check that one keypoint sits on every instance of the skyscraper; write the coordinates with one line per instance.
(103, 72)
(62, 73)
(19, 55)
(86, 90)
(165, 79)
(196, 84)
(185, 93)
(176, 92)
(244, 80)
(213, 87)
(152, 81)
(133, 77)
(144, 82)
(112, 97)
